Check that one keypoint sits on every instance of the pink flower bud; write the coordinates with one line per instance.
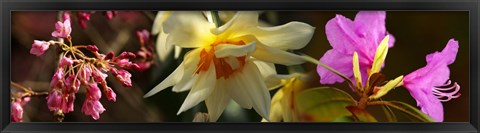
(124, 63)
(123, 77)
(62, 30)
(93, 108)
(39, 47)
(142, 66)
(83, 18)
(57, 78)
(92, 48)
(65, 61)
(110, 14)
(65, 15)
(143, 36)
(93, 91)
(16, 111)
(111, 95)
(99, 76)
(54, 99)
(72, 84)
(109, 56)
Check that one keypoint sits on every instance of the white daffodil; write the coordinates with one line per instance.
(157, 28)
(228, 62)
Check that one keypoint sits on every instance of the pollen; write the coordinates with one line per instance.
(224, 67)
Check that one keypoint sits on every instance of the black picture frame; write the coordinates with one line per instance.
(6, 6)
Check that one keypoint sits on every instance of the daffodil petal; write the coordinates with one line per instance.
(224, 50)
(188, 29)
(266, 69)
(217, 101)
(189, 76)
(277, 56)
(178, 51)
(256, 89)
(171, 80)
(293, 35)
(201, 89)
(237, 26)
(235, 89)
(158, 22)
(162, 49)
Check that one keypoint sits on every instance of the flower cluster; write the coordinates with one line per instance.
(76, 69)
(146, 50)
(367, 41)
(17, 108)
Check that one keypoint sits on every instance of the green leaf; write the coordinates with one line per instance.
(322, 104)
(361, 115)
(409, 111)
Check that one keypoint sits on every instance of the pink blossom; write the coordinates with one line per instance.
(57, 78)
(93, 108)
(62, 30)
(83, 18)
(110, 14)
(85, 73)
(72, 84)
(429, 84)
(143, 36)
(142, 66)
(124, 63)
(111, 95)
(93, 91)
(54, 99)
(65, 61)
(123, 76)
(39, 47)
(16, 111)
(67, 104)
(66, 15)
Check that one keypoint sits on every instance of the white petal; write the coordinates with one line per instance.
(266, 69)
(202, 88)
(237, 92)
(189, 76)
(188, 29)
(171, 80)
(255, 89)
(238, 25)
(277, 56)
(158, 22)
(224, 50)
(293, 35)
(178, 51)
(217, 101)
(162, 49)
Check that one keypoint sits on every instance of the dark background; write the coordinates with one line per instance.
(417, 34)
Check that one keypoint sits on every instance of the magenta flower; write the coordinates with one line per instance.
(83, 18)
(67, 105)
(94, 92)
(17, 111)
(111, 95)
(98, 76)
(65, 61)
(57, 78)
(362, 35)
(93, 108)
(62, 30)
(430, 85)
(123, 76)
(72, 84)
(39, 47)
(54, 99)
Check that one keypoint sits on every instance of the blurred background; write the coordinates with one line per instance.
(417, 34)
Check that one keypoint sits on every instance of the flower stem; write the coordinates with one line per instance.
(315, 61)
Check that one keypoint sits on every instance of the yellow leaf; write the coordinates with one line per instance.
(387, 87)
(380, 55)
